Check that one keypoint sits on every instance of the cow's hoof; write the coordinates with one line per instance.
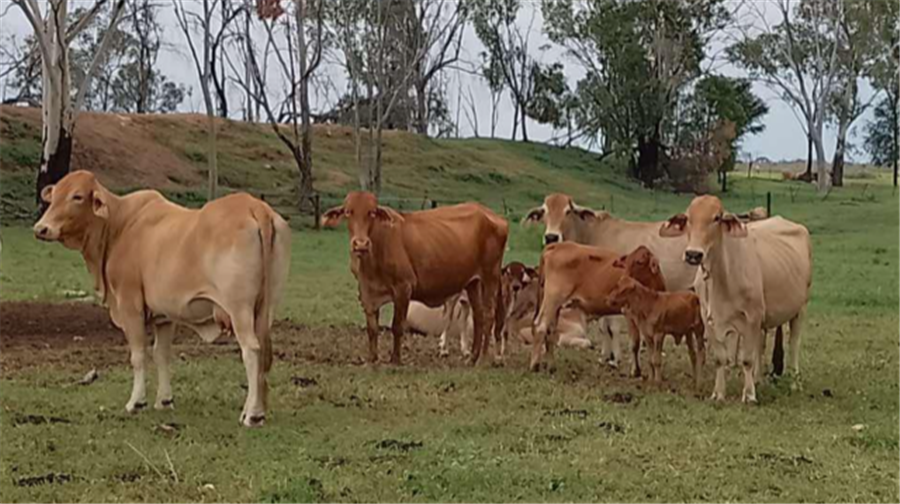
(165, 404)
(716, 397)
(136, 407)
(444, 354)
(252, 421)
(749, 399)
(534, 367)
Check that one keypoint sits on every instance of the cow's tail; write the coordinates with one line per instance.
(274, 234)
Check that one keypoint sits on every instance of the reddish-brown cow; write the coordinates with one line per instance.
(426, 256)
(579, 276)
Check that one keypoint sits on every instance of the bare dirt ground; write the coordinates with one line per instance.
(80, 336)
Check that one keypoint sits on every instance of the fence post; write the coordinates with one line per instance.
(769, 203)
(724, 181)
(317, 210)
(434, 204)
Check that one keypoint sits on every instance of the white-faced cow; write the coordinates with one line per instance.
(753, 277)
(427, 256)
(564, 220)
(156, 264)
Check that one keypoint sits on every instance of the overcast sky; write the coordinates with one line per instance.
(783, 137)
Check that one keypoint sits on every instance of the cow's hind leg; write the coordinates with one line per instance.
(544, 331)
(136, 334)
(162, 352)
(476, 303)
(398, 326)
(796, 329)
(254, 412)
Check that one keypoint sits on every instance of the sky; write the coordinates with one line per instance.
(783, 137)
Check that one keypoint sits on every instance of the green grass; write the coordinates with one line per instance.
(438, 431)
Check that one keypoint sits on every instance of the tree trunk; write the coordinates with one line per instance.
(422, 108)
(56, 107)
(515, 121)
(894, 97)
(821, 164)
(809, 157)
(648, 161)
(304, 161)
(524, 130)
(837, 163)
(212, 164)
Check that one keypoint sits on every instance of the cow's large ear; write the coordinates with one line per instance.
(733, 226)
(101, 209)
(384, 214)
(654, 266)
(333, 216)
(534, 215)
(675, 226)
(47, 193)
(585, 213)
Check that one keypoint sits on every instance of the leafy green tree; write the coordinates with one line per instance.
(716, 99)
(639, 56)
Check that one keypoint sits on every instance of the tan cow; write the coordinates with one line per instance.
(581, 277)
(451, 321)
(156, 264)
(753, 277)
(427, 256)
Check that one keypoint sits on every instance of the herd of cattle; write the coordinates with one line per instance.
(706, 276)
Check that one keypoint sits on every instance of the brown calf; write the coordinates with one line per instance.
(659, 313)
(579, 276)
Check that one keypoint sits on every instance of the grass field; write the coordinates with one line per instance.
(435, 430)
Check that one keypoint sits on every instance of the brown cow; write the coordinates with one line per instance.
(579, 276)
(156, 264)
(427, 256)
(659, 313)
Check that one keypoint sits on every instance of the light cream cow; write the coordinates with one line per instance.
(752, 277)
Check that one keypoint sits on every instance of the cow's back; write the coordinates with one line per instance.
(784, 252)
(185, 256)
(447, 247)
(622, 237)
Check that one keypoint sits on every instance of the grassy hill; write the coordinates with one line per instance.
(168, 152)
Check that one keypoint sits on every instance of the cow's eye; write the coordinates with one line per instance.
(78, 198)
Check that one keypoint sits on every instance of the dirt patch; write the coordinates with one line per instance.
(71, 336)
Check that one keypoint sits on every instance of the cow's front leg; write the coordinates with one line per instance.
(162, 351)
(749, 361)
(401, 308)
(691, 341)
(372, 332)
(635, 348)
(720, 357)
(136, 334)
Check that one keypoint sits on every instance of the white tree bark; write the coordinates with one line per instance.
(58, 112)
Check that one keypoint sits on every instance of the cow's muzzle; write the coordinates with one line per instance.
(360, 246)
(551, 238)
(44, 232)
(693, 257)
